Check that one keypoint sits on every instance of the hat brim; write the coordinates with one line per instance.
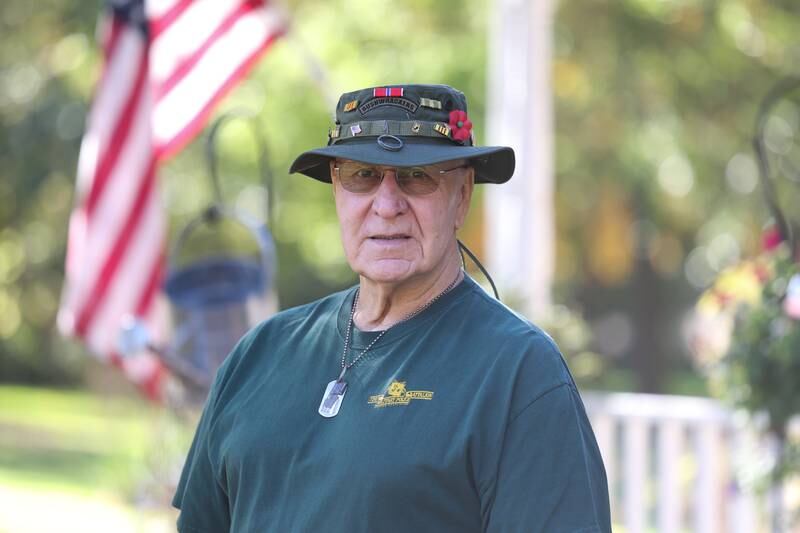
(492, 164)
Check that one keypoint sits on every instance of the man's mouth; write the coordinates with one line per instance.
(393, 237)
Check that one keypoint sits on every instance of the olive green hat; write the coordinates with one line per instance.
(405, 125)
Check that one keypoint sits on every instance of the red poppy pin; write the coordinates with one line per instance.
(460, 124)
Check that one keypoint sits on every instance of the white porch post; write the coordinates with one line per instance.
(519, 214)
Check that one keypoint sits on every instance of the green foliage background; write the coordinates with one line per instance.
(655, 105)
(761, 371)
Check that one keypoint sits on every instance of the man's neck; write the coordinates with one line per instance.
(382, 305)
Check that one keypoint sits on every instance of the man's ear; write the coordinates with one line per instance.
(465, 197)
(331, 164)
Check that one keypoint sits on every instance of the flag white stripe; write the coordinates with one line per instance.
(131, 279)
(109, 104)
(142, 367)
(186, 28)
(192, 28)
(180, 105)
(120, 193)
(157, 8)
(107, 220)
(72, 289)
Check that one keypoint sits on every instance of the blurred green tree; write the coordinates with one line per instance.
(49, 63)
(655, 111)
(46, 64)
(656, 182)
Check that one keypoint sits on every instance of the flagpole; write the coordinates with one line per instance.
(520, 227)
(315, 68)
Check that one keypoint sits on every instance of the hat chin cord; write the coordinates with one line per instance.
(463, 248)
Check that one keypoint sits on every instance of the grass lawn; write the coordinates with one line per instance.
(79, 461)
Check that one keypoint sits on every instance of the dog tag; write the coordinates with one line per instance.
(332, 399)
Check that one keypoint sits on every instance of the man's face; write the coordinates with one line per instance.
(391, 235)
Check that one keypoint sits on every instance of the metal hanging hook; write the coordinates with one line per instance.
(212, 160)
(782, 89)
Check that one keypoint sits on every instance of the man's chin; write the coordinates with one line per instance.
(389, 271)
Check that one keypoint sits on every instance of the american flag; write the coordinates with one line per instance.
(166, 64)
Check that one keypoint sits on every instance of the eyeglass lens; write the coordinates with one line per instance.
(360, 178)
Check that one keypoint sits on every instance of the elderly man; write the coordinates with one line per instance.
(413, 402)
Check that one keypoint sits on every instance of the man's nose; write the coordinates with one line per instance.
(389, 200)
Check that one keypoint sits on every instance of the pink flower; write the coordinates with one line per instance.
(791, 304)
(771, 238)
(460, 125)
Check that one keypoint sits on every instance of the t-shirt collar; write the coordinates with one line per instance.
(360, 339)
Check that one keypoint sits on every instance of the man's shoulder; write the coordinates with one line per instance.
(325, 307)
(494, 320)
(287, 327)
(515, 347)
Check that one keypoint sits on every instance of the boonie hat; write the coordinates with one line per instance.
(405, 125)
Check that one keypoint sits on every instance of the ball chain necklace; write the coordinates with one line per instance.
(334, 393)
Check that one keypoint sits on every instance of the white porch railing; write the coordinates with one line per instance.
(670, 462)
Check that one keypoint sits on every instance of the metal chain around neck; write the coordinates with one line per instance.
(347, 366)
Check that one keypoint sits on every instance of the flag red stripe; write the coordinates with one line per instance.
(117, 141)
(110, 44)
(160, 24)
(174, 145)
(117, 252)
(153, 284)
(152, 386)
(115, 359)
(189, 62)
(112, 40)
(127, 260)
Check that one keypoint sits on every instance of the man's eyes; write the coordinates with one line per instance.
(372, 173)
(366, 173)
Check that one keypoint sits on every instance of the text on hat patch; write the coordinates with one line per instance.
(388, 100)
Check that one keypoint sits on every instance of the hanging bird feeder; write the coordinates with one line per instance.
(217, 296)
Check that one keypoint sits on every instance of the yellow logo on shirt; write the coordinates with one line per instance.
(396, 389)
(396, 394)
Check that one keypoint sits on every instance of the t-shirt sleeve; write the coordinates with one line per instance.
(550, 476)
(200, 495)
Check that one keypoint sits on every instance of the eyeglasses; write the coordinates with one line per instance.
(361, 178)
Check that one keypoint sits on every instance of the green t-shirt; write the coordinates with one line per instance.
(462, 419)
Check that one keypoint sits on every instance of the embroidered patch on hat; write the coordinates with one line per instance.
(387, 91)
(387, 100)
(349, 106)
(430, 102)
(334, 132)
(441, 128)
(355, 129)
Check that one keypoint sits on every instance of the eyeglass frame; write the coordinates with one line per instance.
(383, 169)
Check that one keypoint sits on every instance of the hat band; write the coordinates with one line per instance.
(375, 128)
